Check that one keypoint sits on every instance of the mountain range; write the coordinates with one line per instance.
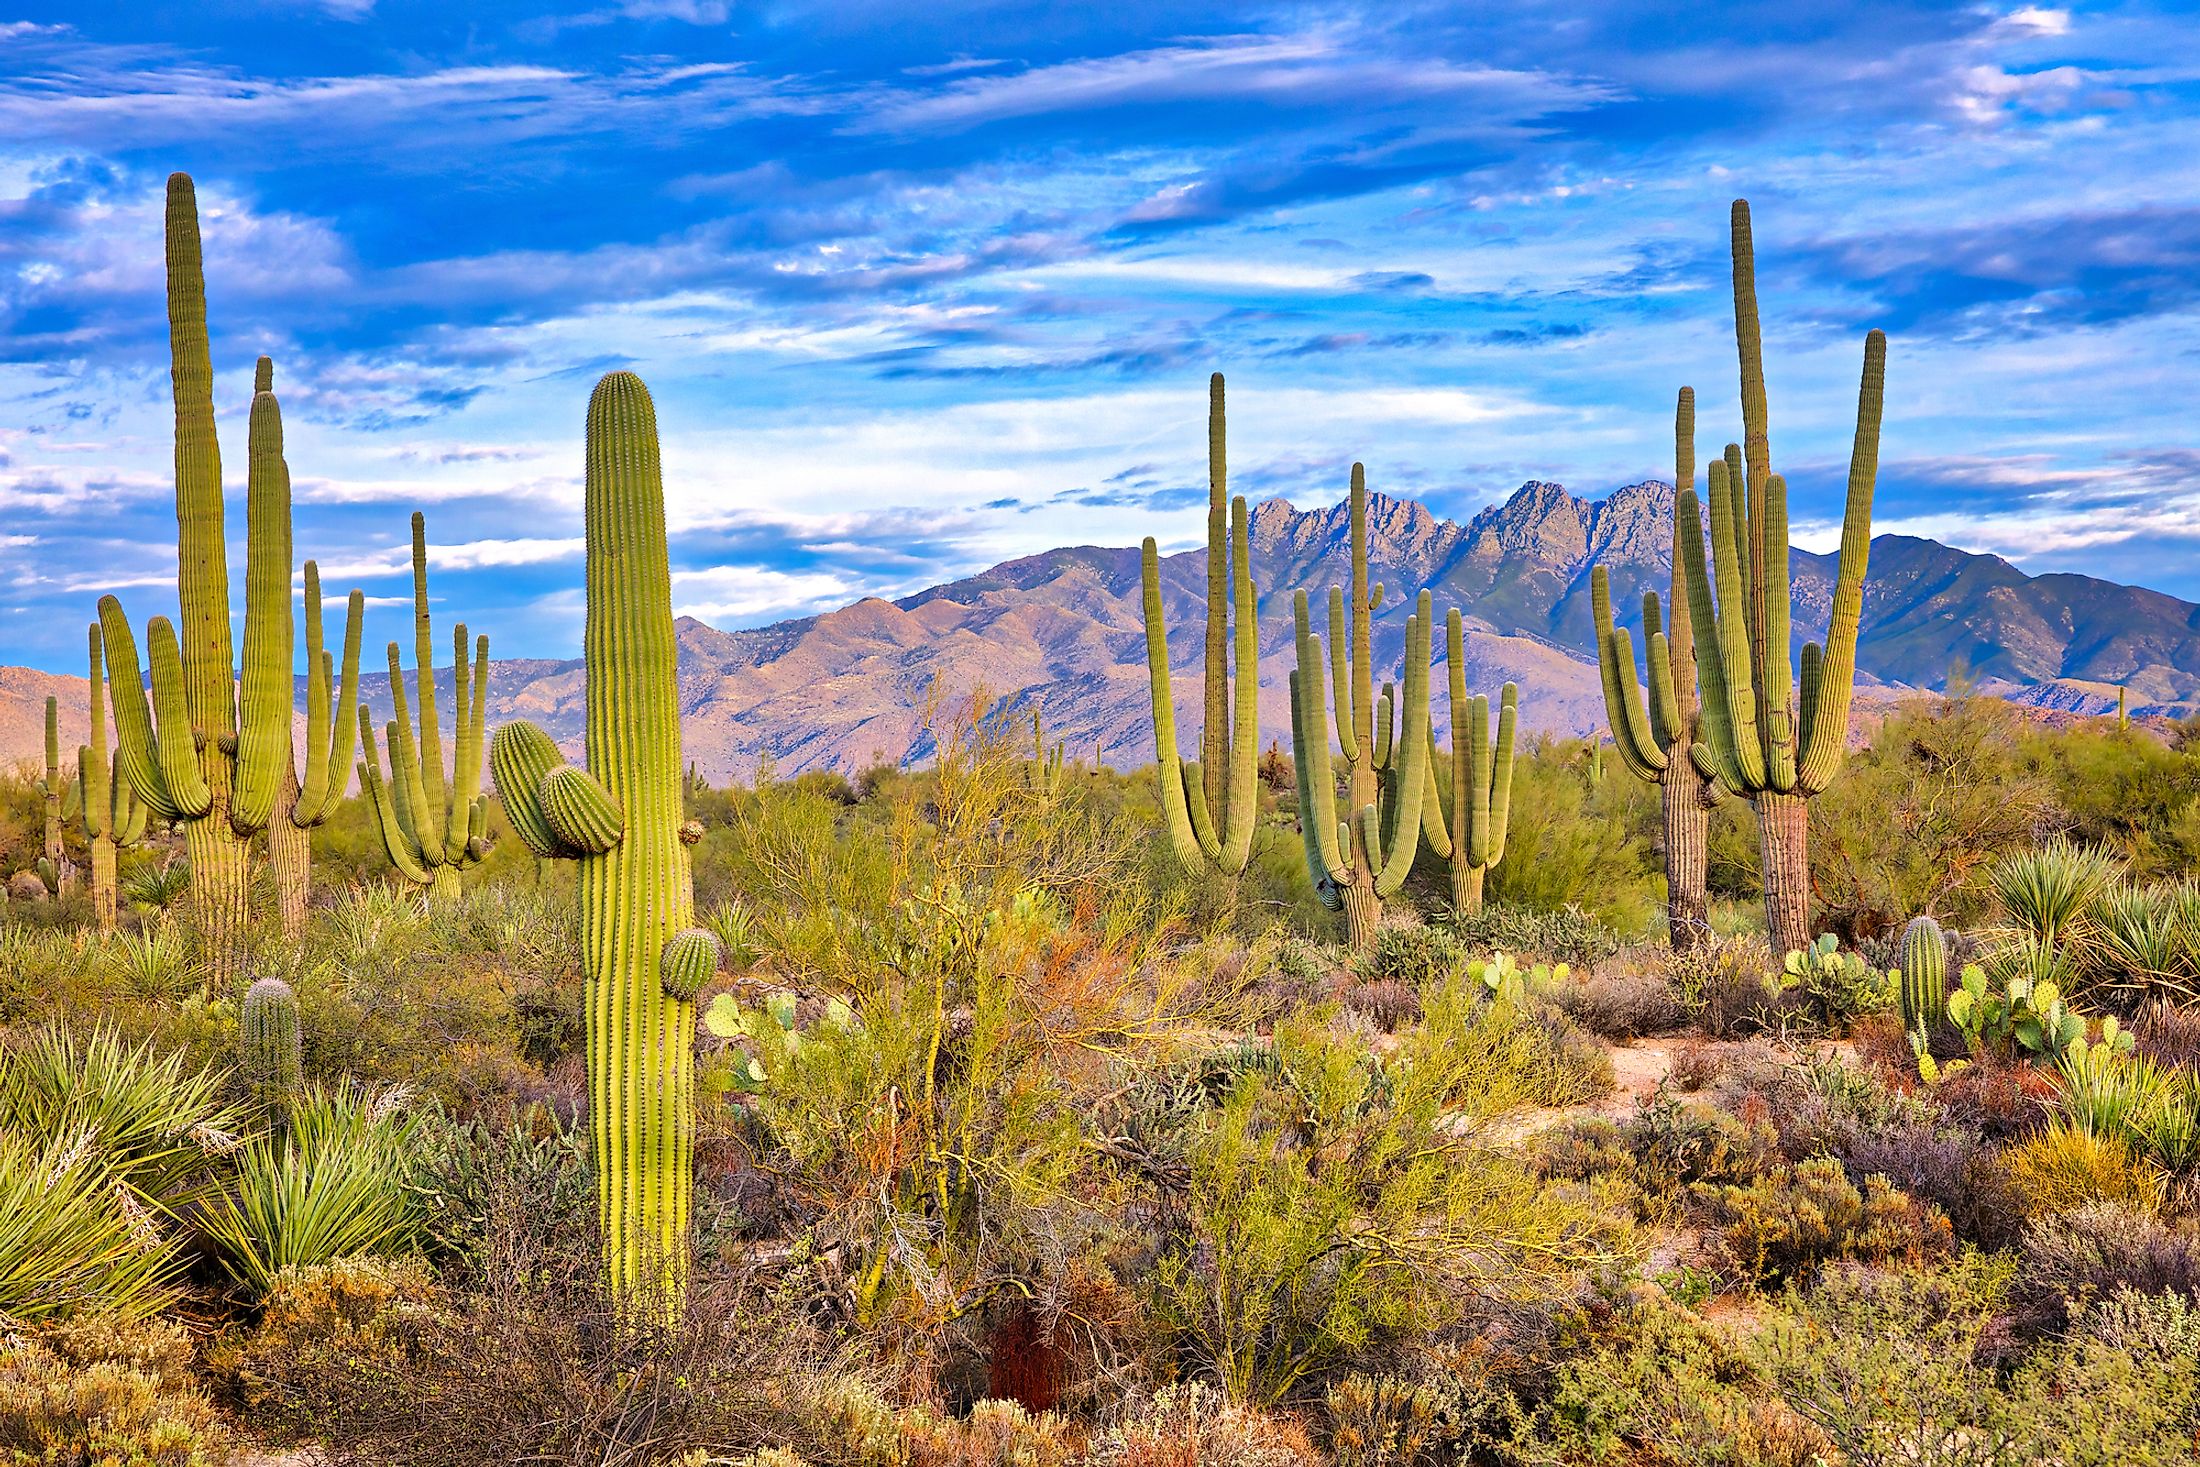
(1061, 632)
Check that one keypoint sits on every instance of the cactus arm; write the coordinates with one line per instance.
(1385, 710)
(474, 746)
(409, 787)
(1501, 773)
(428, 761)
(1667, 726)
(1434, 834)
(1713, 751)
(136, 746)
(1734, 633)
(1312, 749)
(174, 742)
(1680, 628)
(1638, 748)
(453, 834)
(1214, 737)
(519, 756)
(265, 693)
(313, 789)
(1825, 737)
(1735, 478)
(129, 812)
(584, 816)
(1362, 659)
(1774, 670)
(1477, 844)
(73, 802)
(394, 841)
(1241, 815)
(1340, 675)
(1317, 815)
(91, 762)
(202, 564)
(1194, 782)
(1168, 770)
(344, 724)
(1413, 749)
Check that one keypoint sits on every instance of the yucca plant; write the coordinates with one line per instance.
(71, 1238)
(335, 1184)
(2139, 936)
(150, 1123)
(734, 925)
(367, 918)
(2106, 1087)
(2049, 892)
(150, 888)
(154, 965)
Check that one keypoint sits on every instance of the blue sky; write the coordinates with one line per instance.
(919, 288)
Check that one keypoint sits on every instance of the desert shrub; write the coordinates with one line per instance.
(1941, 1164)
(994, 1434)
(1566, 1064)
(1410, 953)
(1677, 1144)
(1563, 934)
(1569, 845)
(1385, 1003)
(1620, 1004)
(319, 1327)
(1793, 1220)
(2169, 1034)
(106, 1393)
(478, 1181)
(1393, 1421)
(2063, 1168)
(1661, 1387)
(1193, 1425)
(72, 1240)
(2086, 1254)
(335, 1182)
(1720, 985)
(2005, 1101)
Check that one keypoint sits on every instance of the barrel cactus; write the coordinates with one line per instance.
(1210, 806)
(433, 827)
(268, 1036)
(1755, 738)
(1923, 960)
(621, 820)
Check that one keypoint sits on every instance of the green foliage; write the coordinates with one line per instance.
(73, 1239)
(106, 1393)
(2025, 1016)
(1793, 1220)
(1838, 988)
(1572, 846)
(2048, 893)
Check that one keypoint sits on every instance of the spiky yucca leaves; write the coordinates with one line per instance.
(1924, 965)
(2049, 893)
(621, 819)
(1358, 862)
(1655, 744)
(433, 827)
(1210, 807)
(1467, 801)
(214, 758)
(113, 818)
(1753, 737)
(55, 797)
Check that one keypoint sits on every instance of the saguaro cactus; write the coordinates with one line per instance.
(205, 763)
(113, 818)
(1210, 807)
(1657, 747)
(621, 819)
(1754, 739)
(55, 790)
(1469, 803)
(268, 1038)
(1358, 862)
(432, 827)
(1924, 963)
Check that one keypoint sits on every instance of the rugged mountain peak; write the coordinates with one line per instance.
(1633, 525)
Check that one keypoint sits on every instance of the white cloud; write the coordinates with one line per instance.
(736, 593)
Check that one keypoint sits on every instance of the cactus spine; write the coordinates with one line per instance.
(1210, 807)
(1924, 963)
(1358, 862)
(54, 791)
(432, 828)
(1753, 737)
(267, 1032)
(621, 819)
(113, 818)
(1656, 747)
(1468, 805)
(213, 756)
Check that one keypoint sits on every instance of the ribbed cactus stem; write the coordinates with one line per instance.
(1209, 809)
(1923, 960)
(1757, 733)
(623, 820)
(54, 792)
(269, 1038)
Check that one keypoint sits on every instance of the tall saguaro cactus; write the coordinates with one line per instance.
(54, 790)
(214, 757)
(1359, 861)
(1756, 738)
(1468, 805)
(432, 827)
(113, 818)
(1210, 807)
(621, 819)
(1656, 747)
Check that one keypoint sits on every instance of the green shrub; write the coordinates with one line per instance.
(1793, 1220)
(320, 1326)
(1564, 934)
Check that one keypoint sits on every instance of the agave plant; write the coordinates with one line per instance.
(2140, 935)
(71, 1238)
(155, 965)
(2049, 892)
(734, 925)
(156, 889)
(149, 1122)
(335, 1183)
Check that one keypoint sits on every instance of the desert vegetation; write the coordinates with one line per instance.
(1480, 1103)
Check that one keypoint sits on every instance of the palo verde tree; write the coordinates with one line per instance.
(1359, 859)
(1757, 738)
(621, 819)
(1211, 805)
(1658, 746)
(433, 826)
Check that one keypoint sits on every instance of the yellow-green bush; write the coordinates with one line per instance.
(105, 1393)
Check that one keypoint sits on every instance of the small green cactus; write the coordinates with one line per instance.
(267, 1033)
(56, 793)
(114, 819)
(1923, 960)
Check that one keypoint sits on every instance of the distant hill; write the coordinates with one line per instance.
(1062, 630)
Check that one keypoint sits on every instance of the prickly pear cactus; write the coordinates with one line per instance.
(622, 821)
